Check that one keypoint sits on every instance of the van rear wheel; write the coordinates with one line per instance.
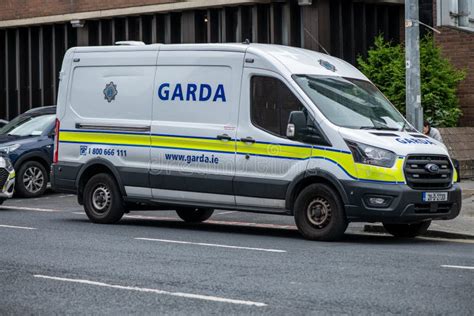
(407, 230)
(194, 215)
(319, 213)
(102, 199)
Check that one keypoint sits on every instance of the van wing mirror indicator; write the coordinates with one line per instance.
(290, 131)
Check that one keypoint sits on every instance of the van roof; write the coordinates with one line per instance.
(285, 58)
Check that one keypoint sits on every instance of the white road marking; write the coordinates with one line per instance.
(150, 217)
(22, 208)
(224, 213)
(457, 267)
(17, 227)
(155, 291)
(211, 245)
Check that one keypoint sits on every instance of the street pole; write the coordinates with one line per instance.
(414, 111)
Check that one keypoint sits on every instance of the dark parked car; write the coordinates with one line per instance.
(3, 123)
(28, 141)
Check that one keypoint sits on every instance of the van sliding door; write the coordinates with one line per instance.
(194, 126)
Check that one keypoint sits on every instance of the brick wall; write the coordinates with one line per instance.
(19, 9)
(458, 46)
(460, 143)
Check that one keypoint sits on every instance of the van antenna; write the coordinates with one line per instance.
(247, 41)
(319, 44)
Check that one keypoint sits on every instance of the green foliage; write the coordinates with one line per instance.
(385, 66)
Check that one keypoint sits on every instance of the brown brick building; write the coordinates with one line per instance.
(457, 44)
(34, 34)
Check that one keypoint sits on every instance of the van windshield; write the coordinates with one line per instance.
(352, 103)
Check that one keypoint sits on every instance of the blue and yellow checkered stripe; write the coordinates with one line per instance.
(342, 159)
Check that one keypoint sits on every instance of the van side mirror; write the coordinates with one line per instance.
(296, 125)
(298, 129)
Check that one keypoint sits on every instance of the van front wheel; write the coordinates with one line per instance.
(407, 230)
(194, 215)
(319, 213)
(102, 200)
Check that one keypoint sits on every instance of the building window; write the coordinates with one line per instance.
(271, 104)
(457, 13)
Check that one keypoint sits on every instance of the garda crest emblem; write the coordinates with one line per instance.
(110, 91)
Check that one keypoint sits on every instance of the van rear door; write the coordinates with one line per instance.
(109, 113)
(194, 126)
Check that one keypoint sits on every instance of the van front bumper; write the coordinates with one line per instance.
(405, 204)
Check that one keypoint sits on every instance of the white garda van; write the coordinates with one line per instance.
(248, 127)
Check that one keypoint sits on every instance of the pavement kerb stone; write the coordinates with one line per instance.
(379, 229)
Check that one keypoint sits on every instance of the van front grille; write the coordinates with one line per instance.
(419, 175)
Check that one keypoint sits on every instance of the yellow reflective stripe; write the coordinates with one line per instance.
(105, 138)
(344, 160)
(193, 143)
(455, 175)
(394, 174)
(274, 150)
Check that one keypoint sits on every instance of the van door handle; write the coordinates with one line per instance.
(224, 137)
(248, 140)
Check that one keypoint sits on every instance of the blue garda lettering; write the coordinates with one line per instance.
(163, 91)
(178, 93)
(207, 96)
(406, 140)
(191, 92)
(219, 93)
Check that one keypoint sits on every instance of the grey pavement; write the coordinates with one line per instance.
(54, 261)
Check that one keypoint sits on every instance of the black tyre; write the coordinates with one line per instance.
(103, 201)
(319, 213)
(194, 215)
(1, 201)
(407, 230)
(32, 180)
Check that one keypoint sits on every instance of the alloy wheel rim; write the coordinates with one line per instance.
(319, 212)
(33, 179)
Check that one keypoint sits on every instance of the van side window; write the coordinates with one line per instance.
(271, 103)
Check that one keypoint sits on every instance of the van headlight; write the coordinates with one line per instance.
(371, 155)
(10, 148)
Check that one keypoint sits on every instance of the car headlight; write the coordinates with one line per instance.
(10, 148)
(371, 155)
(6, 163)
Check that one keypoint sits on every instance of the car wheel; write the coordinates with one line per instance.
(407, 230)
(32, 179)
(1, 201)
(194, 215)
(319, 213)
(103, 201)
